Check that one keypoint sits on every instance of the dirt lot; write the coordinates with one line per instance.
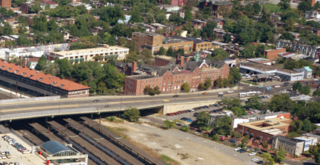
(183, 147)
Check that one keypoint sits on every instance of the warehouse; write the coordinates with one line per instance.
(284, 74)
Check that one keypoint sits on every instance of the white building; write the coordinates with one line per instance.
(25, 52)
(237, 121)
(88, 54)
(306, 70)
(308, 141)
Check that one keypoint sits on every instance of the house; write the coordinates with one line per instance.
(218, 6)
(314, 84)
(290, 146)
(306, 70)
(273, 54)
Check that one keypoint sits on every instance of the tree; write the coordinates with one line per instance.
(42, 62)
(227, 38)
(188, 15)
(296, 125)
(254, 102)
(35, 8)
(222, 126)
(307, 125)
(185, 87)
(202, 119)
(184, 128)
(305, 90)
(234, 75)
(206, 12)
(162, 51)
(265, 144)
(219, 54)
(281, 102)
(267, 158)
(168, 124)
(170, 51)
(238, 111)
(111, 15)
(280, 155)
(52, 25)
(231, 102)
(317, 157)
(287, 36)
(256, 8)
(284, 4)
(135, 17)
(215, 137)
(131, 114)
(304, 6)
(316, 93)
(207, 83)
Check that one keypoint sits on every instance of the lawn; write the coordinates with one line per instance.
(168, 160)
(272, 7)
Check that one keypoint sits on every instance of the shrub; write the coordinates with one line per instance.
(131, 114)
(168, 124)
(184, 128)
(216, 137)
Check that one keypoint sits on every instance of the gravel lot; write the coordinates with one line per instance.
(174, 143)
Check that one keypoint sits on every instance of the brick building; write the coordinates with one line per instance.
(126, 68)
(290, 146)
(38, 83)
(218, 6)
(314, 84)
(154, 41)
(5, 3)
(169, 78)
(273, 54)
(178, 2)
(262, 130)
(199, 45)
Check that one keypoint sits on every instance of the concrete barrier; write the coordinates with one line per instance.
(30, 99)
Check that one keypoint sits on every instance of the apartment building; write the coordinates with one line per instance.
(5, 3)
(273, 54)
(92, 54)
(154, 41)
(169, 78)
(290, 146)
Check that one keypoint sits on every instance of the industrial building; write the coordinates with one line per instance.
(284, 74)
(290, 146)
(60, 154)
(38, 83)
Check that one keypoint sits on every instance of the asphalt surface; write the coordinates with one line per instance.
(122, 102)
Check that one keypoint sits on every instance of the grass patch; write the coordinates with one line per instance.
(272, 7)
(119, 131)
(168, 160)
(249, 82)
(114, 119)
(292, 135)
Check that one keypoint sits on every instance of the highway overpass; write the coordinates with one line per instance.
(54, 106)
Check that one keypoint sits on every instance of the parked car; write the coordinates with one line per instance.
(222, 138)
(96, 100)
(216, 105)
(220, 94)
(196, 114)
(236, 149)
(254, 159)
(189, 120)
(204, 93)
(268, 88)
(233, 141)
(229, 91)
(260, 86)
(276, 86)
(106, 106)
(252, 153)
(176, 96)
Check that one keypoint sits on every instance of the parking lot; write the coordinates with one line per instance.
(17, 156)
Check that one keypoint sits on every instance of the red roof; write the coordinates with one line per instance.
(41, 77)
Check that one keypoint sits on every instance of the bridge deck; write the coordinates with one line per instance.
(105, 143)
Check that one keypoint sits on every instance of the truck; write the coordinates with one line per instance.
(222, 138)
(268, 88)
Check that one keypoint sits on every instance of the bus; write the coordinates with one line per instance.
(242, 94)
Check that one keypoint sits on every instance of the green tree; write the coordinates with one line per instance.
(304, 6)
(227, 38)
(131, 114)
(231, 102)
(215, 137)
(219, 54)
(207, 83)
(254, 102)
(317, 157)
(168, 124)
(307, 126)
(52, 25)
(202, 119)
(267, 158)
(305, 90)
(35, 8)
(280, 155)
(170, 52)
(238, 111)
(287, 36)
(206, 12)
(284, 4)
(185, 87)
(265, 144)
(256, 8)
(316, 93)
(162, 51)
(42, 62)
(296, 125)
(111, 15)
(135, 17)
(234, 75)
(188, 15)
(281, 102)
(184, 128)
(222, 126)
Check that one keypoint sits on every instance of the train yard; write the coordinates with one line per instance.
(102, 146)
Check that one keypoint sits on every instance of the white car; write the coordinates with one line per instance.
(229, 91)
(220, 93)
(191, 110)
(254, 159)
(236, 149)
(258, 92)
(276, 86)
(28, 151)
(252, 153)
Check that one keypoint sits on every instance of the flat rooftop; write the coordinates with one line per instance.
(259, 60)
(172, 39)
(91, 50)
(147, 33)
(264, 67)
(168, 58)
(269, 125)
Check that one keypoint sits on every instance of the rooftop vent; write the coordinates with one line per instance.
(1, 67)
(53, 83)
(23, 73)
(39, 79)
(15, 71)
(30, 76)
(60, 85)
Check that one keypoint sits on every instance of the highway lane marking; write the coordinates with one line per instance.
(78, 105)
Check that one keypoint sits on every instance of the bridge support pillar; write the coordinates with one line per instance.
(46, 119)
(91, 115)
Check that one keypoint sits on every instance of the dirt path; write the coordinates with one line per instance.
(185, 148)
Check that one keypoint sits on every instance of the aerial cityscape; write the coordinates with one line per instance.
(159, 82)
